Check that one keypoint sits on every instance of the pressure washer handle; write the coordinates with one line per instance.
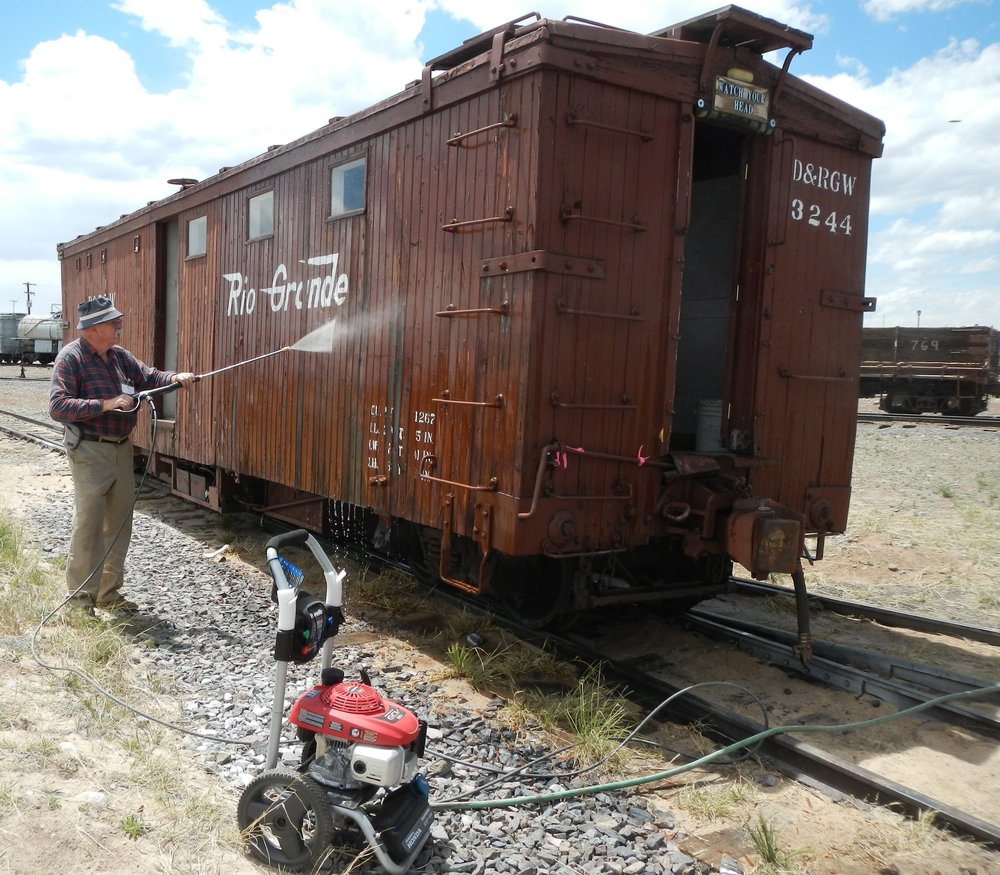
(162, 390)
(294, 538)
(159, 390)
(300, 537)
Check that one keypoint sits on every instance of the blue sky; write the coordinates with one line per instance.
(101, 101)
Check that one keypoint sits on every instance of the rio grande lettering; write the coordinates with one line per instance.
(309, 293)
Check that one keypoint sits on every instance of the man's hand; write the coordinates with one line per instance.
(185, 378)
(119, 402)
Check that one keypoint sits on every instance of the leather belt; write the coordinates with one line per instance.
(103, 440)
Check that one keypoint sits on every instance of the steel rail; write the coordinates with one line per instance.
(931, 419)
(794, 758)
(22, 434)
(830, 666)
(885, 616)
(39, 422)
(940, 680)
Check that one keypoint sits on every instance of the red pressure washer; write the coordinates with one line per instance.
(357, 781)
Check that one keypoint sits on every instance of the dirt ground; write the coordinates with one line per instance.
(925, 508)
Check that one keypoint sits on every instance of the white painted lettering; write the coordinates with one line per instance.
(340, 293)
(822, 177)
(278, 291)
(313, 292)
(315, 284)
(241, 300)
(326, 292)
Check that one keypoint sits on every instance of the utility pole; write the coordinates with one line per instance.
(28, 293)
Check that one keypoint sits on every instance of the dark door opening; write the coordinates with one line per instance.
(708, 289)
(166, 308)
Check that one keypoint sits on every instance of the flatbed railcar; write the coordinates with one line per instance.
(600, 296)
(953, 371)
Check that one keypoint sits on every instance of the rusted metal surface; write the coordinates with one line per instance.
(560, 256)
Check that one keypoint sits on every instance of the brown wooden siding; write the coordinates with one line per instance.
(807, 397)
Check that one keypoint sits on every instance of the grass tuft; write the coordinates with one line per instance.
(597, 716)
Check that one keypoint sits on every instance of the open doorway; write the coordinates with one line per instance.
(708, 289)
(166, 304)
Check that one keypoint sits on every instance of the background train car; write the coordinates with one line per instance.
(10, 342)
(931, 370)
(30, 338)
(40, 337)
(598, 298)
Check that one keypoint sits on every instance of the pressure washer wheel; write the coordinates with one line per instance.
(286, 820)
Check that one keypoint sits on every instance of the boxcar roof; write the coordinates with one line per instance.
(737, 26)
(687, 42)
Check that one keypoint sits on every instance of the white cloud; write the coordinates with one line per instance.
(885, 10)
(187, 23)
(83, 141)
(938, 178)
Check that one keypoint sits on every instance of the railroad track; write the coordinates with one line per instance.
(851, 671)
(806, 762)
(883, 616)
(27, 428)
(931, 419)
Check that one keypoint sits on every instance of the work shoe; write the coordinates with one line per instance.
(119, 606)
(83, 605)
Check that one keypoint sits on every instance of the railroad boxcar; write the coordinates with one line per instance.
(598, 299)
(931, 370)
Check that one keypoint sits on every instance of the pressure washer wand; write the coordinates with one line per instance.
(240, 364)
(172, 387)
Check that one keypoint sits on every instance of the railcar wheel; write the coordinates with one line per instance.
(286, 820)
(538, 591)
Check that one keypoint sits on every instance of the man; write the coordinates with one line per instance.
(94, 383)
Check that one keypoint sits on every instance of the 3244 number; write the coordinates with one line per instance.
(813, 215)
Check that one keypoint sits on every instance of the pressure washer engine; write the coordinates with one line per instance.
(357, 781)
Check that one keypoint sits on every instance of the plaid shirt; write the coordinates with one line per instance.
(82, 381)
